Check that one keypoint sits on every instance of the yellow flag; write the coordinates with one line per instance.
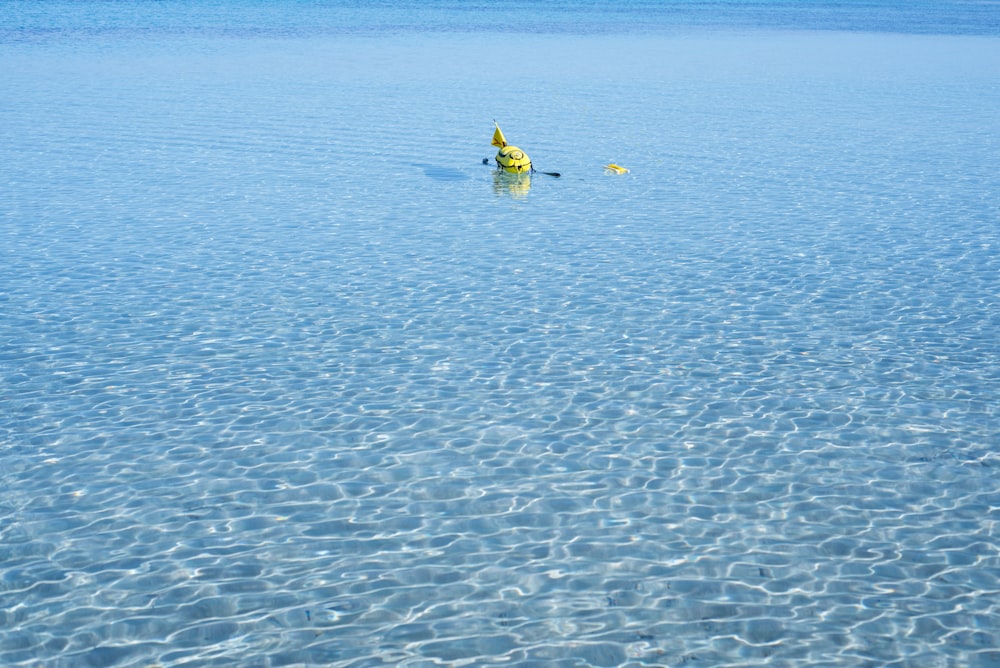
(498, 139)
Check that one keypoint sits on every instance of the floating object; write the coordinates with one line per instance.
(615, 169)
(513, 160)
(510, 158)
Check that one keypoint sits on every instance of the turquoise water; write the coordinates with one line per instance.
(288, 377)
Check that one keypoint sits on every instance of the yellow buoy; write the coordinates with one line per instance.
(510, 159)
(513, 160)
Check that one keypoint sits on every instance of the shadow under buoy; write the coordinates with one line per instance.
(441, 173)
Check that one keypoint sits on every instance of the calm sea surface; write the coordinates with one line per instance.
(289, 378)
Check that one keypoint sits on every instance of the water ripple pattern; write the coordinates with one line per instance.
(287, 377)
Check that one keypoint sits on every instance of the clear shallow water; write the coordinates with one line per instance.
(289, 378)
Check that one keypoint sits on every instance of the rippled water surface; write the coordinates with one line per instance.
(288, 377)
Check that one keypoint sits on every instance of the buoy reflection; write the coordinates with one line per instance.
(515, 185)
